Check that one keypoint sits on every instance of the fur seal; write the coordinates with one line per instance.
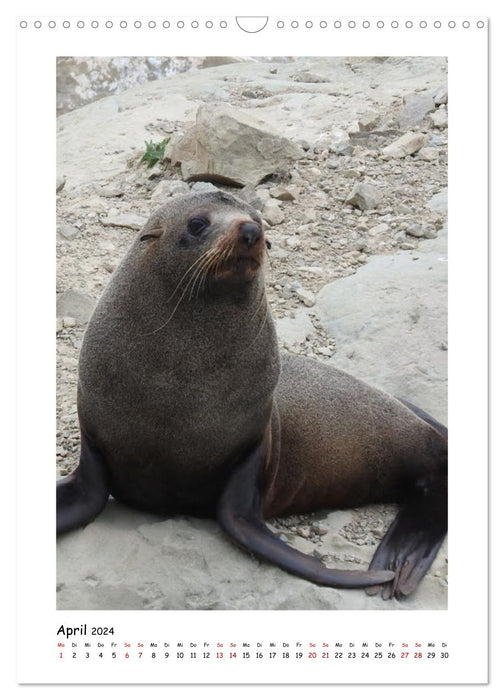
(186, 406)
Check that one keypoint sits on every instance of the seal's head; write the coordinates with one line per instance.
(214, 235)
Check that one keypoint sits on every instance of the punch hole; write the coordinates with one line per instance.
(423, 24)
(480, 24)
(251, 25)
(466, 24)
(23, 24)
(437, 24)
(37, 24)
(294, 24)
(166, 24)
(352, 24)
(137, 24)
(452, 24)
(394, 24)
(109, 24)
(80, 24)
(195, 24)
(408, 24)
(366, 24)
(337, 24)
(280, 24)
(95, 24)
(323, 24)
(223, 24)
(123, 24)
(66, 24)
(51, 24)
(380, 24)
(309, 25)
(180, 24)
(152, 25)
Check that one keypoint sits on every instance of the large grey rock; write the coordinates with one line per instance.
(416, 107)
(229, 145)
(364, 312)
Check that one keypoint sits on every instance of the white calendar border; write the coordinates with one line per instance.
(466, 617)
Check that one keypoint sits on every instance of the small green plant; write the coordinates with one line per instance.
(154, 152)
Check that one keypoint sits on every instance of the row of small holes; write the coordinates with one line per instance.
(223, 25)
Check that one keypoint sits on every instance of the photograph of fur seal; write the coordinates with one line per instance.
(186, 406)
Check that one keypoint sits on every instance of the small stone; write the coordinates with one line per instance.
(376, 230)
(272, 213)
(404, 146)
(319, 529)
(344, 149)
(415, 230)
(69, 322)
(404, 209)
(439, 118)
(204, 187)
(407, 246)
(351, 174)
(59, 325)
(314, 245)
(368, 121)
(307, 297)
(110, 192)
(444, 345)
(309, 215)
(428, 154)
(441, 96)
(364, 196)
(249, 195)
(155, 171)
(303, 532)
(66, 232)
(168, 188)
(113, 212)
(325, 351)
(314, 173)
(75, 304)
(132, 221)
(285, 193)
(60, 182)
(263, 194)
(293, 242)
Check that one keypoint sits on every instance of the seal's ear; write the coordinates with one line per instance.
(153, 231)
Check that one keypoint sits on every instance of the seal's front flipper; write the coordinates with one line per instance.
(240, 515)
(81, 496)
(409, 547)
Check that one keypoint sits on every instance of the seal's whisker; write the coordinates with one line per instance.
(202, 272)
(202, 260)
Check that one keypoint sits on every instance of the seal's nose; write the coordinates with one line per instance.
(250, 232)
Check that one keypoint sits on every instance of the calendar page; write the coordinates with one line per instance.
(264, 238)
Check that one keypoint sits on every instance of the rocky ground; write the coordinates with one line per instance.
(356, 214)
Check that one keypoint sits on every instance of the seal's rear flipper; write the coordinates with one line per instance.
(409, 548)
(81, 496)
(240, 515)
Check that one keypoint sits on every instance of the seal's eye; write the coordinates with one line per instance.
(197, 225)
